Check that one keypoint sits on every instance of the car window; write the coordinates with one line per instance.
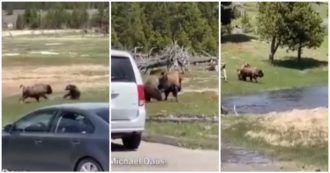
(104, 114)
(121, 70)
(35, 122)
(73, 122)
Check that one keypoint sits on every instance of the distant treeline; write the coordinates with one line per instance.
(157, 24)
(55, 15)
(50, 5)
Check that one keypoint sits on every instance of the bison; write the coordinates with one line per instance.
(251, 72)
(73, 92)
(35, 91)
(156, 71)
(151, 89)
(170, 82)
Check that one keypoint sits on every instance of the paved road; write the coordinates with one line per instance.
(163, 158)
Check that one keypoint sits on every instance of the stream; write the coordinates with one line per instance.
(278, 101)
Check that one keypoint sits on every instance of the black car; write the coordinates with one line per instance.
(67, 137)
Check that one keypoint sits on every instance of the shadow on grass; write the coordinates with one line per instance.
(304, 63)
(236, 38)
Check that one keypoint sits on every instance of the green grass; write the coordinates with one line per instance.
(12, 109)
(192, 135)
(285, 73)
(195, 103)
(205, 103)
(233, 130)
(69, 51)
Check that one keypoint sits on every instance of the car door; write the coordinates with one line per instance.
(67, 142)
(25, 141)
(124, 90)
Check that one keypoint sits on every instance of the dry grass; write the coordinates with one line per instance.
(297, 127)
(297, 136)
(86, 77)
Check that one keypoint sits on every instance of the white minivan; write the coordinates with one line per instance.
(128, 112)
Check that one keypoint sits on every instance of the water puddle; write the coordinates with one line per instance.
(278, 101)
(239, 155)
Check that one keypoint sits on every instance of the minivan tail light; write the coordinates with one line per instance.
(141, 95)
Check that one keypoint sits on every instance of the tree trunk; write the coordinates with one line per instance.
(273, 47)
(272, 52)
(299, 52)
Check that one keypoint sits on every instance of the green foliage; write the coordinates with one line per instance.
(158, 24)
(294, 25)
(304, 28)
(79, 18)
(57, 18)
(101, 18)
(50, 5)
(245, 21)
(31, 18)
(270, 20)
(62, 15)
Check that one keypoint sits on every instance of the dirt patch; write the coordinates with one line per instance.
(44, 52)
(84, 76)
(53, 44)
(14, 33)
(10, 54)
(187, 90)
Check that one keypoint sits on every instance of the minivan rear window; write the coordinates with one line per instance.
(121, 69)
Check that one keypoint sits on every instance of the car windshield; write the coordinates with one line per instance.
(121, 70)
(103, 113)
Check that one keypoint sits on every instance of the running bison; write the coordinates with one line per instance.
(73, 92)
(35, 91)
(246, 71)
(170, 82)
(151, 89)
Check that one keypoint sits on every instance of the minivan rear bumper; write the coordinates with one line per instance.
(129, 126)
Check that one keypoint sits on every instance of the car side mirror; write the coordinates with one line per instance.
(8, 128)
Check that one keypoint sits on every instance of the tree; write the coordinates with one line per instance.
(304, 28)
(31, 18)
(78, 18)
(271, 25)
(245, 21)
(159, 24)
(226, 13)
(20, 22)
(291, 24)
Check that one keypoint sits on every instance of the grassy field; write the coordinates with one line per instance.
(299, 136)
(192, 135)
(285, 73)
(199, 96)
(57, 61)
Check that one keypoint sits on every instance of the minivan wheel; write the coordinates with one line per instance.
(89, 165)
(132, 141)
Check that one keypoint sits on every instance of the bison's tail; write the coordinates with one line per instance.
(21, 86)
(49, 89)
